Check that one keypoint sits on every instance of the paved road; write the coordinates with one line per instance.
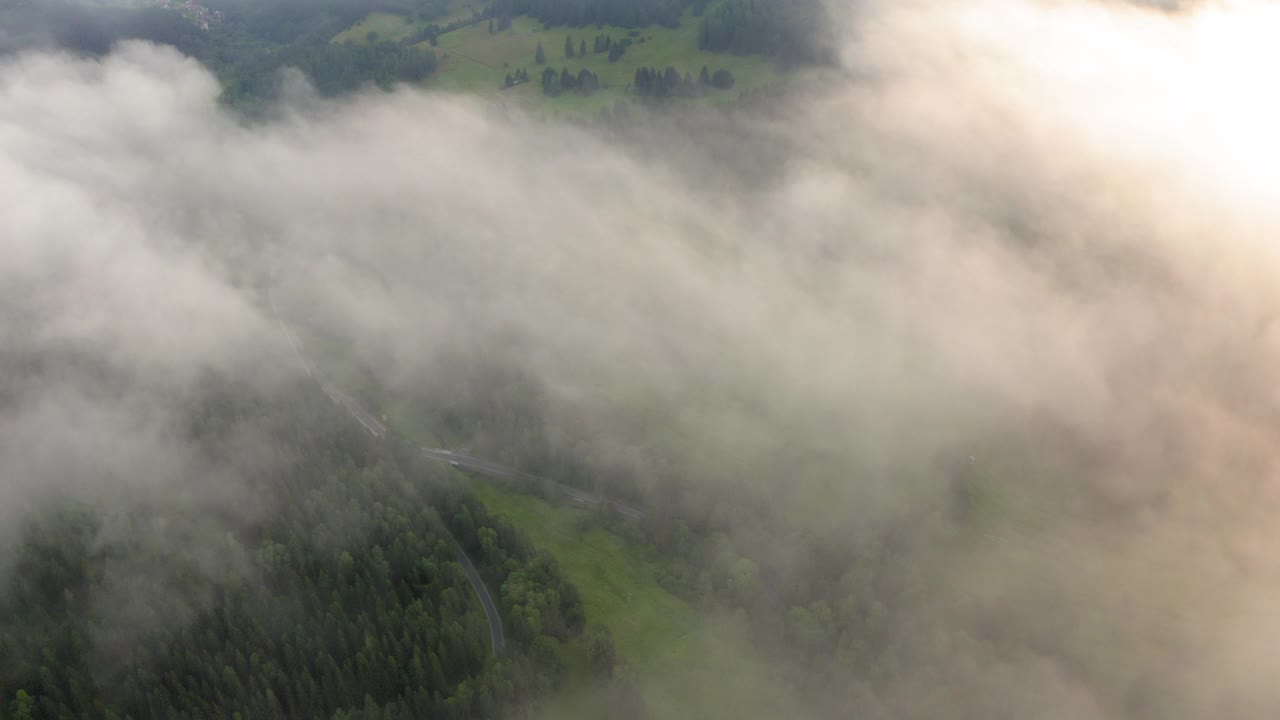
(370, 423)
(497, 639)
(485, 467)
(458, 460)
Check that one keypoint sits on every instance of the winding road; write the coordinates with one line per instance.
(496, 637)
(458, 460)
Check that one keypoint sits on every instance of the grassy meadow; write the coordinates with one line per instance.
(686, 662)
(473, 60)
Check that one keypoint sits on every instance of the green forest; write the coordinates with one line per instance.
(345, 599)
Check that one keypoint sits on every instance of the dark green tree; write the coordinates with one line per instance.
(587, 82)
(540, 55)
(671, 79)
(550, 82)
(722, 79)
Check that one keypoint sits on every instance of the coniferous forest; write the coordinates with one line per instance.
(342, 596)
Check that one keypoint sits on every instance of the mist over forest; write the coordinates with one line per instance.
(944, 371)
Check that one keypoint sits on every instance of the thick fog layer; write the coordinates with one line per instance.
(1037, 235)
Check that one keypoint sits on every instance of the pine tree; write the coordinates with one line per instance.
(540, 56)
(568, 46)
(585, 81)
(582, 49)
(550, 82)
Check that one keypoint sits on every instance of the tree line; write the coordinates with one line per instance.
(583, 83)
(602, 44)
(338, 69)
(579, 13)
(653, 83)
(789, 29)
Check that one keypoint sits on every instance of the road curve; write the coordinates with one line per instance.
(497, 639)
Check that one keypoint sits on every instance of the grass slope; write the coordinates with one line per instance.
(395, 27)
(473, 60)
(687, 664)
(388, 26)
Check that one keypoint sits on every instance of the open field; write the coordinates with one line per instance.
(388, 26)
(462, 9)
(394, 27)
(687, 663)
(473, 60)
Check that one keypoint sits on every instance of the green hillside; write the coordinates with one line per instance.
(387, 26)
(686, 662)
(475, 60)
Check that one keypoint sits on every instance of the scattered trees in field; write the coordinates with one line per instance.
(520, 77)
(580, 13)
(584, 83)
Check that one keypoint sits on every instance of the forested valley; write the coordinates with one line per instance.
(827, 600)
(339, 595)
